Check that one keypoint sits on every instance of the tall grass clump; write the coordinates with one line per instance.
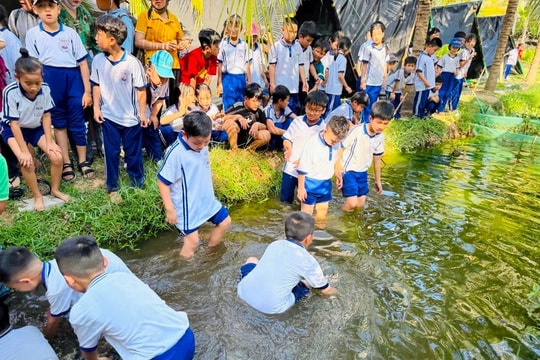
(409, 134)
(524, 103)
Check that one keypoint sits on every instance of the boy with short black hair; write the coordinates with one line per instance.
(22, 343)
(109, 305)
(119, 92)
(186, 188)
(278, 116)
(363, 146)
(306, 34)
(316, 168)
(316, 68)
(398, 81)
(201, 63)
(23, 271)
(425, 77)
(286, 63)
(275, 282)
(352, 109)
(294, 139)
(245, 122)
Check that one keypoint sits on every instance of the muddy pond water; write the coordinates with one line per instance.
(438, 267)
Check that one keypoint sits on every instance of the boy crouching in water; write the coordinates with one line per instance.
(109, 305)
(363, 146)
(186, 188)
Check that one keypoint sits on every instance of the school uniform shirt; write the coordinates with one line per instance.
(432, 94)
(338, 66)
(257, 64)
(133, 319)
(10, 53)
(195, 66)
(298, 133)
(25, 343)
(376, 59)
(426, 67)
(233, 57)
(362, 49)
(402, 78)
(17, 107)
(283, 115)
(157, 93)
(187, 173)
(268, 287)
(287, 59)
(61, 49)
(212, 111)
(344, 110)
(308, 58)
(119, 82)
(178, 123)
(448, 63)
(359, 147)
(464, 56)
(512, 57)
(317, 161)
(59, 295)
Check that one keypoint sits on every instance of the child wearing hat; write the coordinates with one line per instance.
(448, 66)
(119, 94)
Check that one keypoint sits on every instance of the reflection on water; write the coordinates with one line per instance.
(437, 267)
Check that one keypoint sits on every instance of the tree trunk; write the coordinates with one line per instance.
(421, 25)
(533, 70)
(506, 30)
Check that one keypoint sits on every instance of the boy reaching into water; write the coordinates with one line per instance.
(275, 282)
(363, 146)
(186, 188)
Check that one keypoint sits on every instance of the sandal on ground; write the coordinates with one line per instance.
(68, 175)
(14, 182)
(87, 173)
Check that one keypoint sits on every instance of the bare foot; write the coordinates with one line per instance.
(60, 195)
(38, 204)
(115, 197)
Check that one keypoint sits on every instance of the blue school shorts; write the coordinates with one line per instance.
(30, 136)
(216, 219)
(299, 291)
(184, 349)
(355, 183)
(318, 191)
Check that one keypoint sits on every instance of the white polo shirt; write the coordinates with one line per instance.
(119, 83)
(376, 59)
(308, 59)
(449, 63)
(25, 343)
(271, 114)
(287, 59)
(298, 133)
(62, 48)
(17, 107)
(188, 174)
(233, 58)
(10, 53)
(426, 67)
(318, 158)
(268, 287)
(133, 319)
(402, 78)
(338, 66)
(344, 110)
(359, 148)
(464, 56)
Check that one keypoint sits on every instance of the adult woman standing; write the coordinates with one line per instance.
(159, 29)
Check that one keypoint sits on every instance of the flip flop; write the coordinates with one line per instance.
(68, 175)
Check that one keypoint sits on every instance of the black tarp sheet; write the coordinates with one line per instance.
(489, 30)
(453, 18)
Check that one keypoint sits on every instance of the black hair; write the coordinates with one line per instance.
(439, 80)
(361, 98)
(410, 60)
(336, 36)
(317, 98)
(14, 261)
(382, 109)
(4, 317)
(298, 225)
(460, 34)
(339, 126)
(208, 37)
(433, 30)
(280, 93)
(344, 43)
(197, 123)
(470, 37)
(202, 87)
(175, 96)
(27, 64)
(308, 28)
(79, 256)
(113, 27)
(253, 90)
(377, 25)
(434, 42)
(290, 20)
(3, 15)
(117, 3)
(322, 43)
